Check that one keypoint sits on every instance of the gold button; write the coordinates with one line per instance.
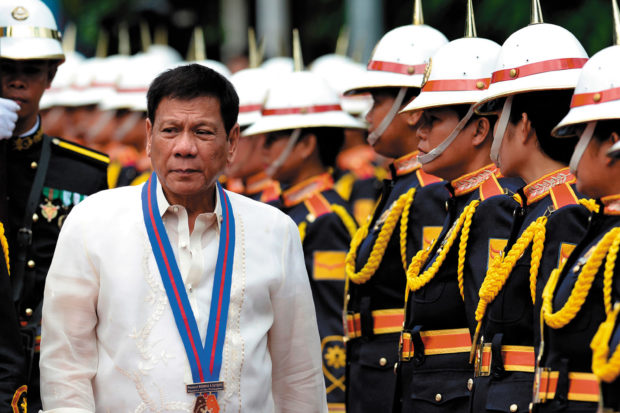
(514, 408)
(30, 264)
(438, 397)
(382, 361)
(411, 70)
(348, 297)
(480, 85)
(304, 111)
(28, 312)
(596, 98)
(396, 368)
(513, 72)
(35, 217)
(34, 165)
(470, 384)
(531, 407)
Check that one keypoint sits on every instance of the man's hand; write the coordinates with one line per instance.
(8, 117)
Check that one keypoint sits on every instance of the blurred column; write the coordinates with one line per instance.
(365, 19)
(234, 18)
(273, 24)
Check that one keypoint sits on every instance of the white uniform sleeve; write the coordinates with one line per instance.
(68, 337)
(294, 344)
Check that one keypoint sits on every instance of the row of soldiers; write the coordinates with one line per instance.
(481, 280)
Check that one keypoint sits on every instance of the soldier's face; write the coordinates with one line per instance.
(392, 141)
(248, 159)
(24, 82)
(188, 146)
(595, 168)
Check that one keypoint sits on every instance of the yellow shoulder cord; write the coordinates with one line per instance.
(5, 247)
(380, 245)
(302, 230)
(590, 204)
(583, 284)
(346, 219)
(404, 223)
(463, 246)
(502, 266)
(606, 369)
(415, 280)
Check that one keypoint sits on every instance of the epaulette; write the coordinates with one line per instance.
(317, 205)
(490, 187)
(344, 186)
(271, 192)
(563, 195)
(426, 179)
(82, 151)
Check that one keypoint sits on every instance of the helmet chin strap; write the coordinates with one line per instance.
(500, 131)
(580, 149)
(374, 136)
(439, 149)
(275, 165)
(614, 151)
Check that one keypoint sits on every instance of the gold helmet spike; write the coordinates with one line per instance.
(255, 55)
(145, 35)
(124, 46)
(102, 43)
(614, 5)
(200, 50)
(342, 44)
(298, 59)
(418, 16)
(69, 38)
(536, 13)
(470, 22)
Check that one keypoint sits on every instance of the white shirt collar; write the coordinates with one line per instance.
(32, 130)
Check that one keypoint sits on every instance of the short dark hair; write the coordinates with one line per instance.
(329, 142)
(546, 109)
(192, 81)
(604, 129)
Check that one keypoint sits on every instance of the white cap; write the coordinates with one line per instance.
(28, 31)
(301, 100)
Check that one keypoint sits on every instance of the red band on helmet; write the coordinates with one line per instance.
(302, 110)
(250, 108)
(456, 85)
(584, 99)
(536, 68)
(133, 90)
(397, 67)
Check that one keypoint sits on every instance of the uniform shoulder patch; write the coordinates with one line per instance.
(329, 265)
(19, 403)
(82, 151)
(317, 205)
(563, 195)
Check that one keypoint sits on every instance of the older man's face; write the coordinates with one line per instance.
(188, 146)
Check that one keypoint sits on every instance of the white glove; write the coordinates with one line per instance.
(8, 117)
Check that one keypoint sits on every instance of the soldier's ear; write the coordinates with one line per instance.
(524, 129)
(483, 127)
(413, 118)
(51, 72)
(307, 144)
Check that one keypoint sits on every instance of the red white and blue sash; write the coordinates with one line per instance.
(205, 360)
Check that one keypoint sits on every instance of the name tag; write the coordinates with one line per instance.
(206, 387)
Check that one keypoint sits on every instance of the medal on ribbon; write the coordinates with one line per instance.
(205, 360)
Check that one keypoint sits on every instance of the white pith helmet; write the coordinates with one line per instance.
(28, 31)
(279, 65)
(215, 65)
(133, 83)
(339, 71)
(596, 97)
(63, 79)
(458, 74)
(251, 86)
(301, 100)
(540, 56)
(400, 58)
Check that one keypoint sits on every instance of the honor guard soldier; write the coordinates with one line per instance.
(45, 176)
(13, 387)
(454, 144)
(532, 81)
(583, 291)
(252, 85)
(304, 124)
(408, 216)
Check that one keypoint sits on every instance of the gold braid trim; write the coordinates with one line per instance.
(5, 247)
(590, 204)
(380, 245)
(463, 246)
(582, 286)
(502, 266)
(606, 369)
(346, 219)
(415, 281)
(404, 223)
(608, 275)
(302, 230)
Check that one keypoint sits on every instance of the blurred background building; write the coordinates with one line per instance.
(225, 23)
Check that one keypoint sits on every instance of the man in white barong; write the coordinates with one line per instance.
(178, 295)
